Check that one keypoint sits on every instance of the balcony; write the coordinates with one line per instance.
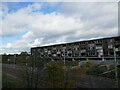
(110, 46)
(58, 52)
(54, 55)
(100, 50)
(83, 51)
(99, 47)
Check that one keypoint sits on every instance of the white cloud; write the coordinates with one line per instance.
(60, 0)
(37, 42)
(28, 35)
(21, 45)
(18, 21)
(9, 45)
(75, 21)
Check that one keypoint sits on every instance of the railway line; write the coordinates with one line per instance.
(88, 81)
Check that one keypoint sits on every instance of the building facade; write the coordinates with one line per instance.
(94, 49)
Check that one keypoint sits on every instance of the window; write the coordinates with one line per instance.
(111, 40)
(64, 45)
(82, 54)
(110, 46)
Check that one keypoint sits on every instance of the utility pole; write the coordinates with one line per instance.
(14, 60)
(116, 66)
(64, 57)
(116, 63)
(64, 70)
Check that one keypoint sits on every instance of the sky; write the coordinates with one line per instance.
(31, 24)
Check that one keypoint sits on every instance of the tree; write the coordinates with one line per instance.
(22, 58)
(57, 76)
(23, 53)
(32, 73)
(54, 74)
